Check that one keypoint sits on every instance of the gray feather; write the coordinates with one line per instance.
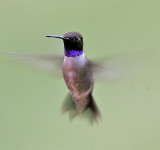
(121, 66)
(46, 62)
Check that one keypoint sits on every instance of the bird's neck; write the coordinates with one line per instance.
(73, 53)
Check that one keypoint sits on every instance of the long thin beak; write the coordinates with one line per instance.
(55, 36)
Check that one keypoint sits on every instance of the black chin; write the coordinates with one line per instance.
(73, 45)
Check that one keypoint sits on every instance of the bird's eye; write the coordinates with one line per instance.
(76, 38)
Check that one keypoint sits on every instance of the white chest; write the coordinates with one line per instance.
(78, 61)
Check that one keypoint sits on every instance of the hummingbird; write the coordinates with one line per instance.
(78, 75)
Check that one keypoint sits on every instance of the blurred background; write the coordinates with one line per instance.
(30, 101)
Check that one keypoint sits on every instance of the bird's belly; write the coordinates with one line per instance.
(77, 82)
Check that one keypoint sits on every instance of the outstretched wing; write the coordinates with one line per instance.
(121, 66)
(45, 62)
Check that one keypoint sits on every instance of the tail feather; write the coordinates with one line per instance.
(94, 108)
(91, 111)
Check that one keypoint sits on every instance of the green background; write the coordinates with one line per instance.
(30, 101)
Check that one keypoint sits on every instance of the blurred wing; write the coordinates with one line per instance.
(121, 67)
(46, 62)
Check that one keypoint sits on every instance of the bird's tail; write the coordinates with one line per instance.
(91, 112)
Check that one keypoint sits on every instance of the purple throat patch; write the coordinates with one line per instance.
(73, 53)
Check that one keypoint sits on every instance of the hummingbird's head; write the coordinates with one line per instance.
(72, 41)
